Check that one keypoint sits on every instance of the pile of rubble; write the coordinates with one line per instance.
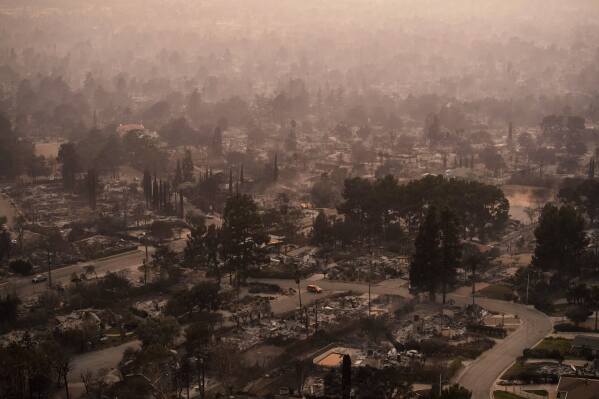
(153, 308)
(361, 268)
(82, 318)
(249, 336)
(451, 324)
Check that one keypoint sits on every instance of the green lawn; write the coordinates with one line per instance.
(540, 392)
(562, 345)
(517, 370)
(497, 291)
(505, 395)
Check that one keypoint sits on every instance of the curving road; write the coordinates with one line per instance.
(480, 375)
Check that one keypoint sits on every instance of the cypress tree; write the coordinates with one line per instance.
(187, 167)
(346, 377)
(181, 210)
(178, 175)
(92, 180)
(451, 250)
(155, 193)
(425, 264)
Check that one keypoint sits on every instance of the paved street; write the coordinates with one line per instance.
(480, 375)
(129, 261)
(285, 304)
(101, 359)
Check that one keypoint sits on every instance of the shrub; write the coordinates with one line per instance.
(21, 266)
(256, 288)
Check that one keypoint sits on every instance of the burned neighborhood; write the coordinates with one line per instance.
(277, 199)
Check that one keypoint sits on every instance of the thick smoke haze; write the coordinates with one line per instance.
(299, 199)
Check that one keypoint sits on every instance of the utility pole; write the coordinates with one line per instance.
(297, 281)
(49, 270)
(201, 369)
(527, 285)
(145, 264)
(369, 281)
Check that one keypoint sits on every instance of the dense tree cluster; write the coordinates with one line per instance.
(560, 241)
(243, 236)
(33, 369)
(583, 194)
(379, 208)
(16, 153)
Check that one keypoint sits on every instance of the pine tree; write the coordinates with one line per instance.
(230, 181)
(241, 178)
(243, 235)
(276, 169)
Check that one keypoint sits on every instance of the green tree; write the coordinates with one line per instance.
(594, 299)
(199, 333)
(451, 249)
(5, 243)
(158, 332)
(561, 240)
(243, 236)
(578, 314)
(427, 257)
(187, 167)
(583, 194)
(324, 193)
(161, 230)
(195, 250)
(455, 391)
(68, 157)
(321, 230)
(202, 297)
(165, 261)
(21, 266)
(8, 308)
(346, 383)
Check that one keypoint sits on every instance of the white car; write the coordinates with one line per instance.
(414, 354)
(39, 279)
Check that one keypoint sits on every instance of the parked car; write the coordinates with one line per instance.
(40, 278)
(314, 288)
(414, 354)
